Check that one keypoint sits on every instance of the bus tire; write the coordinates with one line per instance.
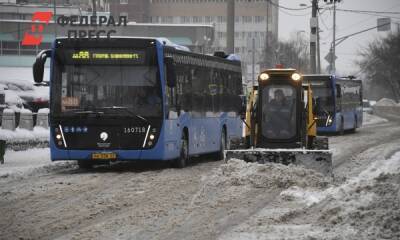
(341, 130)
(183, 158)
(354, 129)
(85, 164)
(223, 146)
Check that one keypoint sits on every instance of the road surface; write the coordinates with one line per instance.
(207, 200)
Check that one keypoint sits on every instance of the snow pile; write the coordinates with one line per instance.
(25, 163)
(368, 203)
(23, 135)
(239, 178)
(169, 43)
(366, 177)
(386, 102)
(44, 110)
(269, 175)
(233, 57)
(369, 119)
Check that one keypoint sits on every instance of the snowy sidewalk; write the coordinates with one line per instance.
(18, 163)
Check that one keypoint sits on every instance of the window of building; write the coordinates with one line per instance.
(221, 19)
(123, 14)
(209, 19)
(247, 19)
(197, 19)
(259, 19)
(184, 19)
(123, 1)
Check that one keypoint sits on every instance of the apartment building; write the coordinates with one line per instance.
(254, 19)
(134, 10)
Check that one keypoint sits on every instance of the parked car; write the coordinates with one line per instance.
(367, 106)
(20, 94)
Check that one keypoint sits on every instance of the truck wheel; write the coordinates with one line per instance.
(183, 158)
(85, 164)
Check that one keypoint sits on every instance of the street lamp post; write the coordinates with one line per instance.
(313, 38)
(332, 62)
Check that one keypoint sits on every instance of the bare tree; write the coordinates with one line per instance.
(380, 66)
(291, 54)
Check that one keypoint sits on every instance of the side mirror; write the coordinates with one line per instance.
(171, 73)
(38, 66)
(338, 91)
(243, 107)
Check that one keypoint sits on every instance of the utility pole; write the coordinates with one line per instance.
(313, 37)
(267, 37)
(230, 27)
(318, 51)
(253, 55)
(333, 55)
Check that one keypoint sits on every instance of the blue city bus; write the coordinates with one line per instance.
(338, 103)
(126, 98)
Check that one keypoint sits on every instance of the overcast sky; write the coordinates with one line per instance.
(347, 23)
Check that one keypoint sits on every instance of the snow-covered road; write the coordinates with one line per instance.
(210, 200)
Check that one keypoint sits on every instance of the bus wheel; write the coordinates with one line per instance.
(183, 158)
(355, 126)
(85, 164)
(341, 130)
(223, 146)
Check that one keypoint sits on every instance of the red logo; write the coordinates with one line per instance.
(32, 39)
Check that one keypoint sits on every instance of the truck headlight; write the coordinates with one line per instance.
(296, 76)
(264, 76)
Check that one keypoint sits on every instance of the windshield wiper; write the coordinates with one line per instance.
(126, 110)
(88, 112)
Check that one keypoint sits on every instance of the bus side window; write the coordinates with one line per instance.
(338, 91)
(338, 98)
(170, 95)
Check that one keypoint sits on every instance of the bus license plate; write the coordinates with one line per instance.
(104, 156)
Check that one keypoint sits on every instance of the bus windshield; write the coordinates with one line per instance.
(106, 86)
(279, 112)
(324, 99)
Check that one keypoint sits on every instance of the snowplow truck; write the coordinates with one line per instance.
(281, 125)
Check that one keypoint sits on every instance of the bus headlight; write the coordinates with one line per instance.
(151, 137)
(296, 76)
(58, 136)
(264, 76)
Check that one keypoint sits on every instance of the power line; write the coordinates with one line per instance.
(288, 8)
(376, 15)
(294, 15)
(365, 11)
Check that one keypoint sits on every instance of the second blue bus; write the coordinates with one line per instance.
(338, 103)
